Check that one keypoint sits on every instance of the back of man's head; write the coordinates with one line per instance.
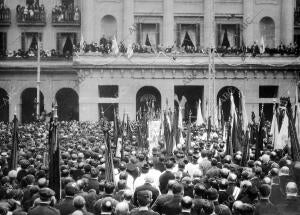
(186, 203)
(109, 188)
(265, 191)
(291, 189)
(177, 188)
(122, 208)
(144, 198)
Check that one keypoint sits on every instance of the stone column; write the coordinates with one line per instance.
(248, 22)
(168, 24)
(129, 28)
(287, 21)
(87, 20)
(209, 23)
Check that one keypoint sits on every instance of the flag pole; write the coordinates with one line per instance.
(38, 82)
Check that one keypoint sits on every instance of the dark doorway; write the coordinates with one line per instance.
(192, 95)
(4, 106)
(268, 111)
(68, 104)
(108, 110)
(224, 98)
(148, 98)
(28, 98)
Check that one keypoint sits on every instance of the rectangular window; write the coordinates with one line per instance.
(268, 92)
(228, 35)
(32, 2)
(188, 35)
(67, 3)
(148, 34)
(3, 42)
(65, 42)
(268, 111)
(108, 109)
(109, 91)
(30, 40)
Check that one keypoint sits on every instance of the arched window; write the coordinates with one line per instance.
(29, 103)
(67, 104)
(4, 106)
(223, 98)
(267, 31)
(108, 26)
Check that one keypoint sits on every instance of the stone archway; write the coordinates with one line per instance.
(267, 31)
(223, 98)
(147, 98)
(4, 106)
(28, 107)
(67, 104)
(109, 26)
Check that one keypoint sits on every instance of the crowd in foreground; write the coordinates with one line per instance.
(199, 180)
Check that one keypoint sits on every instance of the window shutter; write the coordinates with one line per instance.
(57, 41)
(197, 35)
(178, 31)
(23, 37)
(157, 34)
(238, 35)
(138, 32)
(5, 41)
(219, 27)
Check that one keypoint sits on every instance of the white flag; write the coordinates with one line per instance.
(129, 50)
(274, 129)
(262, 45)
(180, 126)
(244, 113)
(283, 136)
(200, 120)
(81, 43)
(114, 46)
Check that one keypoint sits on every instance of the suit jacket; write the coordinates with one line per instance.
(290, 206)
(265, 207)
(66, 207)
(146, 186)
(160, 201)
(93, 183)
(164, 180)
(173, 206)
(43, 209)
(276, 196)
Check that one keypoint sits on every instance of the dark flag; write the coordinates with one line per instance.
(244, 50)
(167, 132)
(68, 47)
(246, 148)
(229, 149)
(208, 127)
(109, 166)
(15, 145)
(225, 40)
(295, 147)
(54, 156)
(116, 128)
(260, 138)
(147, 43)
(236, 136)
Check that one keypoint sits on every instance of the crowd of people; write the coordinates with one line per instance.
(4, 13)
(65, 13)
(33, 12)
(200, 180)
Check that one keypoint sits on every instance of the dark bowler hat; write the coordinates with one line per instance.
(46, 194)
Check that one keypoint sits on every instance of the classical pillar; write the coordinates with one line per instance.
(248, 22)
(168, 32)
(287, 21)
(209, 23)
(129, 28)
(87, 20)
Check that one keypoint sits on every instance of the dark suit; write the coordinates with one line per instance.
(276, 196)
(160, 201)
(290, 206)
(265, 207)
(164, 180)
(137, 211)
(173, 206)
(66, 206)
(93, 183)
(146, 186)
(224, 198)
(43, 209)
(197, 206)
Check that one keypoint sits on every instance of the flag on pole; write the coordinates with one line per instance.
(283, 135)
(297, 121)
(54, 156)
(15, 145)
(81, 43)
(274, 127)
(244, 113)
(200, 120)
(262, 46)
(180, 125)
(188, 139)
(260, 141)
(109, 166)
(114, 46)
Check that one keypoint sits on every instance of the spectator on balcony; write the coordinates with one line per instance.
(77, 14)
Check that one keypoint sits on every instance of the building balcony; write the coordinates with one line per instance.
(37, 18)
(66, 18)
(297, 17)
(5, 17)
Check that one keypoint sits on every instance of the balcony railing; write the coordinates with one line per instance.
(67, 17)
(297, 16)
(5, 16)
(31, 18)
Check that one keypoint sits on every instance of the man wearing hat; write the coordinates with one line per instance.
(43, 207)
(166, 176)
(148, 180)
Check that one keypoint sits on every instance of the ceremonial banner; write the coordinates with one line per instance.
(153, 131)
